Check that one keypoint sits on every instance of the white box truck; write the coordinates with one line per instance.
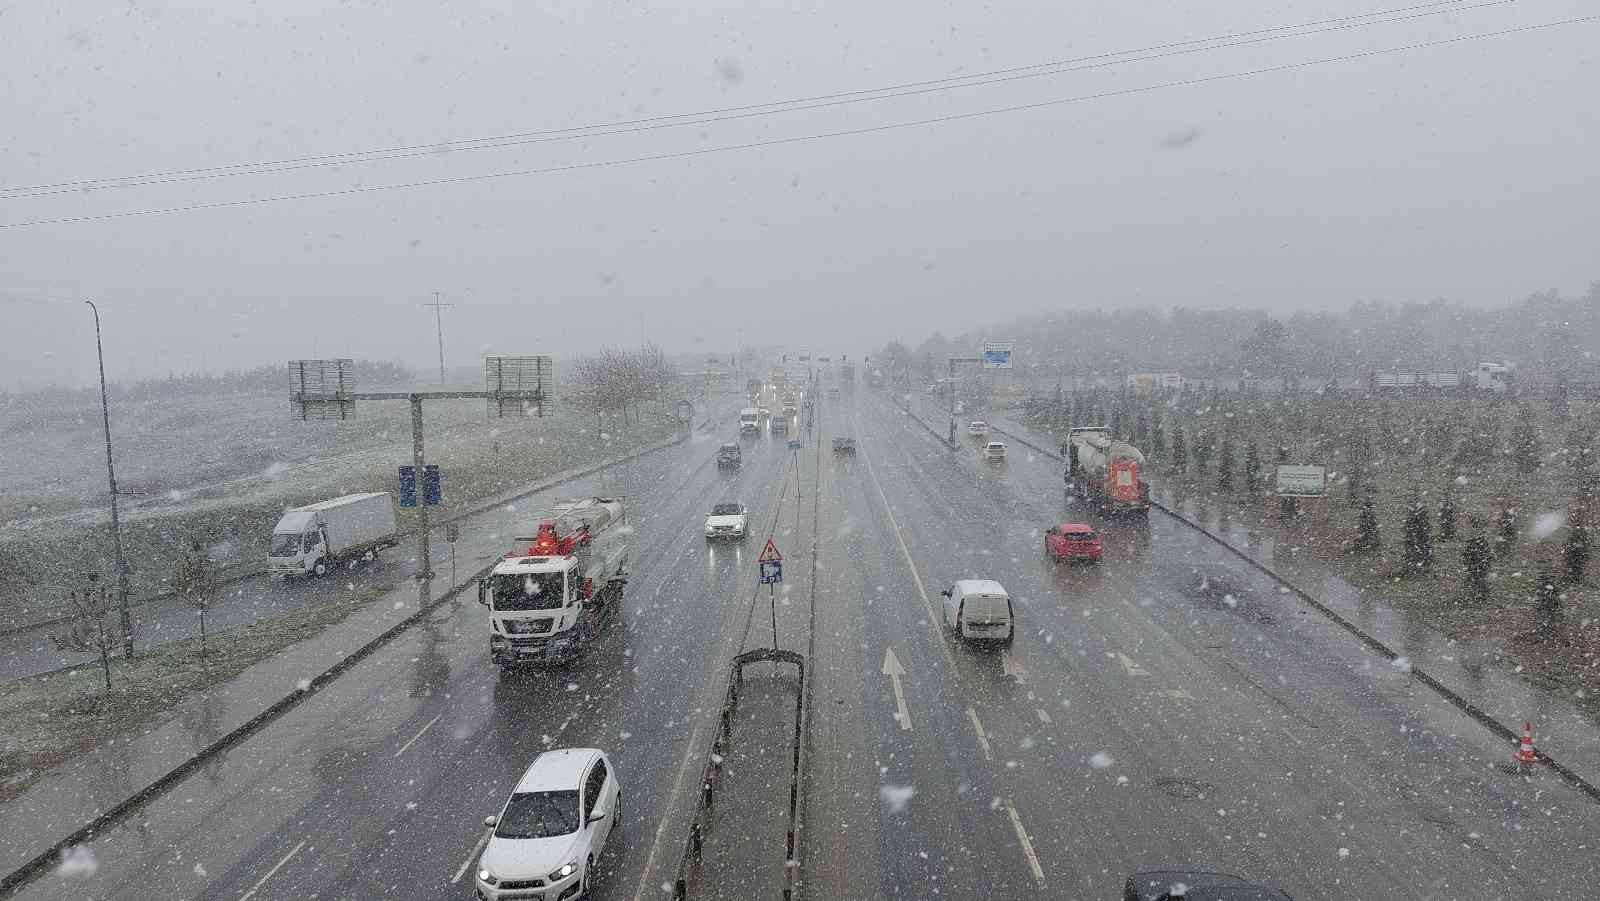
(308, 540)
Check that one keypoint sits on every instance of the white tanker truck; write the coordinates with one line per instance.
(1106, 471)
(548, 599)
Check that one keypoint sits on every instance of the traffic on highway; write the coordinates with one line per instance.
(619, 451)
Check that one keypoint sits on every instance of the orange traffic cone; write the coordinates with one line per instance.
(1525, 755)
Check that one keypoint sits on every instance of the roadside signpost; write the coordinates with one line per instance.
(771, 564)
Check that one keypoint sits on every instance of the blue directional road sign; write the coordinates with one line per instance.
(794, 443)
(408, 486)
(432, 493)
(771, 572)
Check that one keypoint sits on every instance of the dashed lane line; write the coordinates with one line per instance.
(270, 873)
(1027, 844)
(414, 738)
(476, 850)
(983, 739)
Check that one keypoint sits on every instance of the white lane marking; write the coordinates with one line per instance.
(1027, 844)
(417, 736)
(893, 669)
(1133, 669)
(1176, 694)
(933, 619)
(1043, 717)
(1010, 666)
(983, 740)
(476, 849)
(263, 880)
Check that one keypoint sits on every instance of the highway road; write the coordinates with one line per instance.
(1132, 725)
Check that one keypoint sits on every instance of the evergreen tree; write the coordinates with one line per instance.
(1527, 446)
(1548, 599)
(1447, 512)
(1476, 560)
(1158, 440)
(1367, 537)
(1180, 451)
(1418, 534)
(1507, 528)
(1202, 451)
(1225, 466)
(1252, 467)
(1575, 552)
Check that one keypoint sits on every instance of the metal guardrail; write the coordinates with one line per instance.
(688, 869)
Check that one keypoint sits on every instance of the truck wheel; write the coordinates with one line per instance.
(320, 568)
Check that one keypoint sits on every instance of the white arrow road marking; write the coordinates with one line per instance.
(1133, 669)
(473, 856)
(1027, 844)
(983, 740)
(1010, 666)
(893, 669)
(1176, 694)
(263, 880)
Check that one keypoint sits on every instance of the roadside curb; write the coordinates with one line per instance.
(42, 862)
(252, 570)
(943, 439)
(1372, 643)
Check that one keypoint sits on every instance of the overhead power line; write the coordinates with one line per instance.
(809, 138)
(770, 108)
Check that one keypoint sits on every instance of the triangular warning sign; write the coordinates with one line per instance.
(769, 554)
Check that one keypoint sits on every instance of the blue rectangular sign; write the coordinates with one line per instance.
(794, 444)
(771, 572)
(408, 486)
(432, 494)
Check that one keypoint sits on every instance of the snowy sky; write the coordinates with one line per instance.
(1462, 171)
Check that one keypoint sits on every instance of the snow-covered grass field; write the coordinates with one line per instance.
(222, 468)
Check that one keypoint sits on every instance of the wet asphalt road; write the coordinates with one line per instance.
(1133, 725)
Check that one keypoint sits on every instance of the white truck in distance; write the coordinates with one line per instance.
(750, 419)
(308, 540)
(548, 599)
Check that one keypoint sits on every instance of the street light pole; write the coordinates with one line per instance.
(111, 478)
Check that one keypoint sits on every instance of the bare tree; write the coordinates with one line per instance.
(195, 580)
(86, 630)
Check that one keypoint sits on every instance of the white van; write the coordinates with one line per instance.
(979, 609)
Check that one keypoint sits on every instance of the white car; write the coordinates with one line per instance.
(995, 451)
(727, 520)
(979, 610)
(552, 828)
(977, 427)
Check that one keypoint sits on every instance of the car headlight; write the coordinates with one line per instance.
(565, 871)
(487, 878)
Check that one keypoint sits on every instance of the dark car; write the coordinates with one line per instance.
(1196, 885)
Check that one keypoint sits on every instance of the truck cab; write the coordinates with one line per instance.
(534, 604)
(299, 546)
(546, 603)
(750, 420)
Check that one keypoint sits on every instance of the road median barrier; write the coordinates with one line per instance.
(688, 878)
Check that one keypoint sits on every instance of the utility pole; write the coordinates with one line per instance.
(111, 478)
(438, 323)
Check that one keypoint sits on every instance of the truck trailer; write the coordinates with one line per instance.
(1105, 471)
(308, 540)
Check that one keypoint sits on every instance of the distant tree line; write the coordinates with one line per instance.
(1547, 334)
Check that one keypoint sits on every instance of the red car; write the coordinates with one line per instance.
(1072, 541)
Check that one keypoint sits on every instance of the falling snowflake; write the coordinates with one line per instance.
(1101, 760)
(896, 797)
(77, 861)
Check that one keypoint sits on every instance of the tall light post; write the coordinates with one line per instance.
(111, 478)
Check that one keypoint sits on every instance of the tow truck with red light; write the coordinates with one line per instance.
(546, 603)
